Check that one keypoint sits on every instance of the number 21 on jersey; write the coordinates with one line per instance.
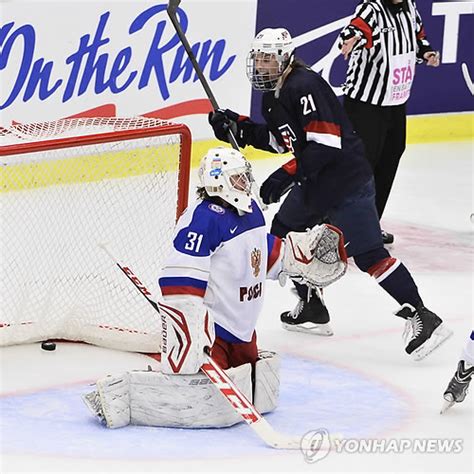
(307, 102)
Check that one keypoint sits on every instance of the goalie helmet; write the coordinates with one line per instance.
(271, 52)
(226, 173)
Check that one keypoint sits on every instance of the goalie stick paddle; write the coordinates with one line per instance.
(224, 384)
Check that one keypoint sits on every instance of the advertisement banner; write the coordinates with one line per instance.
(59, 59)
(69, 58)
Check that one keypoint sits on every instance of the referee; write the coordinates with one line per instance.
(383, 42)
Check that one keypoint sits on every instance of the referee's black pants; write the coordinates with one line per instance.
(383, 131)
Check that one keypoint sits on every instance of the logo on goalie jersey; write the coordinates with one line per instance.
(251, 293)
(256, 261)
(216, 208)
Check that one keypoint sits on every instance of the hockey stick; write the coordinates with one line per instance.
(172, 9)
(223, 383)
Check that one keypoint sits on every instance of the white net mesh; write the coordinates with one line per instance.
(59, 202)
(67, 128)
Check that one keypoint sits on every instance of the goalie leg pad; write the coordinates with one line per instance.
(111, 400)
(184, 401)
(267, 381)
(156, 399)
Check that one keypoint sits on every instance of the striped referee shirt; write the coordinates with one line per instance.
(382, 63)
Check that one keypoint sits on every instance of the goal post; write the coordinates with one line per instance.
(65, 188)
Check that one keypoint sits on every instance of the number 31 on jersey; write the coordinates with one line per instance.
(194, 242)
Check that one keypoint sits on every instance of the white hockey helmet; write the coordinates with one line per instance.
(270, 53)
(224, 172)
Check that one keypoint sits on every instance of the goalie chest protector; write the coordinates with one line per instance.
(221, 257)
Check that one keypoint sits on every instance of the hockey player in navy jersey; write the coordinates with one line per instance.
(328, 179)
(213, 287)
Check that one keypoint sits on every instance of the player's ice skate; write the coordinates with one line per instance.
(308, 316)
(458, 386)
(424, 331)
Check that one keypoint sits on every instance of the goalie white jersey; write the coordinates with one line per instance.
(223, 258)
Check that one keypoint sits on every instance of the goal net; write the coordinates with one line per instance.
(68, 186)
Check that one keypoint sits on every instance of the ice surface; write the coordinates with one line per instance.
(359, 382)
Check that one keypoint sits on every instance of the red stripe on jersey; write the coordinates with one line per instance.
(290, 167)
(366, 30)
(381, 267)
(421, 34)
(182, 290)
(318, 126)
(274, 254)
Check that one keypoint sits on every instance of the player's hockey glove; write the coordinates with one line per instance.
(222, 121)
(277, 184)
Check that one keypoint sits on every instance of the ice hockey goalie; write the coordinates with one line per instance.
(212, 291)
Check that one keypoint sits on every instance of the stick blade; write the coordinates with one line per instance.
(273, 438)
(313, 441)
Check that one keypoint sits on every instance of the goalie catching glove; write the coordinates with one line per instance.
(315, 258)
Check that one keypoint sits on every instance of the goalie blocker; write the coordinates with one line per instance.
(151, 398)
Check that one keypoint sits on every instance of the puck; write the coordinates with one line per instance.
(48, 346)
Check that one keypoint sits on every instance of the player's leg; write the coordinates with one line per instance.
(372, 124)
(392, 151)
(310, 314)
(265, 367)
(244, 352)
(357, 218)
(229, 351)
(220, 352)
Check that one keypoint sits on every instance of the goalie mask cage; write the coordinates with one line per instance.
(68, 186)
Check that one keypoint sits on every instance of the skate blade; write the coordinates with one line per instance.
(448, 403)
(440, 334)
(310, 328)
